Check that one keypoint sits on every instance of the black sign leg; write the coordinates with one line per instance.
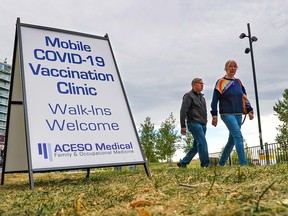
(31, 179)
(88, 173)
(147, 170)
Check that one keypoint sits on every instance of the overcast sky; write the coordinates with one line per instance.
(161, 45)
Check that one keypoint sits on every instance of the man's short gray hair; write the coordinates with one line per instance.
(195, 80)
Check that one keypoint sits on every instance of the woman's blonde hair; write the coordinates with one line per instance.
(229, 62)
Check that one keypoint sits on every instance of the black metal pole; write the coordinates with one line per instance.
(255, 86)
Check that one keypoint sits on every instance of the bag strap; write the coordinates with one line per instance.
(243, 119)
(243, 93)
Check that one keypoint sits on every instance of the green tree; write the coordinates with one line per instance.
(281, 108)
(148, 139)
(167, 138)
(187, 142)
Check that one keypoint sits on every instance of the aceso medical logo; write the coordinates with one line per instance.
(45, 150)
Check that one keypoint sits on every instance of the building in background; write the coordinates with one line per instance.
(5, 78)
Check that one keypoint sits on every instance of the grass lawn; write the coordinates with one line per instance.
(253, 190)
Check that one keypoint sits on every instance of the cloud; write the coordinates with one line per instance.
(160, 46)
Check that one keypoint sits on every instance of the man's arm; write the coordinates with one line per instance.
(186, 102)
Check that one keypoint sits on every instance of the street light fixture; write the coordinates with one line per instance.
(242, 35)
(250, 50)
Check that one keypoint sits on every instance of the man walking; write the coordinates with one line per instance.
(194, 113)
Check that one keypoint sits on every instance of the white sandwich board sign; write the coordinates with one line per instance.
(68, 108)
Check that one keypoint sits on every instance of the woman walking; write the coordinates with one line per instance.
(229, 92)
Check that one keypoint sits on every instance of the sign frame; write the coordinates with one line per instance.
(19, 153)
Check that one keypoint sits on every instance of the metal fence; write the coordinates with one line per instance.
(269, 154)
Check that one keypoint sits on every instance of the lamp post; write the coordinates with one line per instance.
(247, 50)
